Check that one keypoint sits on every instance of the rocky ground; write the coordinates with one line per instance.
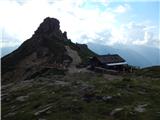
(57, 95)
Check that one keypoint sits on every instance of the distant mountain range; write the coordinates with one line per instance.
(7, 50)
(140, 56)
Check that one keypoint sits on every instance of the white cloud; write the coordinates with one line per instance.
(8, 40)
(21, 18)
(144, 41)
(135, 33)
(128, 34)
(120, 9)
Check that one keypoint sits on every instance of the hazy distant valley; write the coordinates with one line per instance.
(141, 56)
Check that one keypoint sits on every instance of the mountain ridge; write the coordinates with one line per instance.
(46, 46)
(135, 55)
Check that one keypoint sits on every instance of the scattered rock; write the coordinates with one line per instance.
(62, 83)
(42, 111)
(41, 119)
(4, 96)
(22, 98)
(13, 107)
(141, 92)
(10, 114)
(105, 98)
(6, 86)
(140, 108)
(116, 111)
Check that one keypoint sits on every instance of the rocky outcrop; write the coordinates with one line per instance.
(45, 48)
(49, 25)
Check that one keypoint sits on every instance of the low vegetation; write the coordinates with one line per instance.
(82, 96)
(149, 72)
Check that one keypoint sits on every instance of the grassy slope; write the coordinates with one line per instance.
(153, 71)
(79, 97)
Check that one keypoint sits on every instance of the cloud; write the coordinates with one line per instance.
(83, 24)
(8, 40)
(120, 9)
(137, 34)
(20, 2)
(129, 34)
(143, 41)
(74, 19)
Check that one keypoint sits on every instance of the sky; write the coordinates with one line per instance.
(107, 22)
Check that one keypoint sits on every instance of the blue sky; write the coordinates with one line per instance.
(109, 22)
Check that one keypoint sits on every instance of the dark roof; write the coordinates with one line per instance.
(115, 58)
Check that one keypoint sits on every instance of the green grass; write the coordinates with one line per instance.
(68, 101)
(149, 72)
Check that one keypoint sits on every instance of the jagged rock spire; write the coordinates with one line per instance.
(48, 26)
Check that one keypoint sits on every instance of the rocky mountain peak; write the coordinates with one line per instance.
(49, 25)
(48, 47)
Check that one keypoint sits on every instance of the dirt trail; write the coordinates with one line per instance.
(112, 77)
(76, 59)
